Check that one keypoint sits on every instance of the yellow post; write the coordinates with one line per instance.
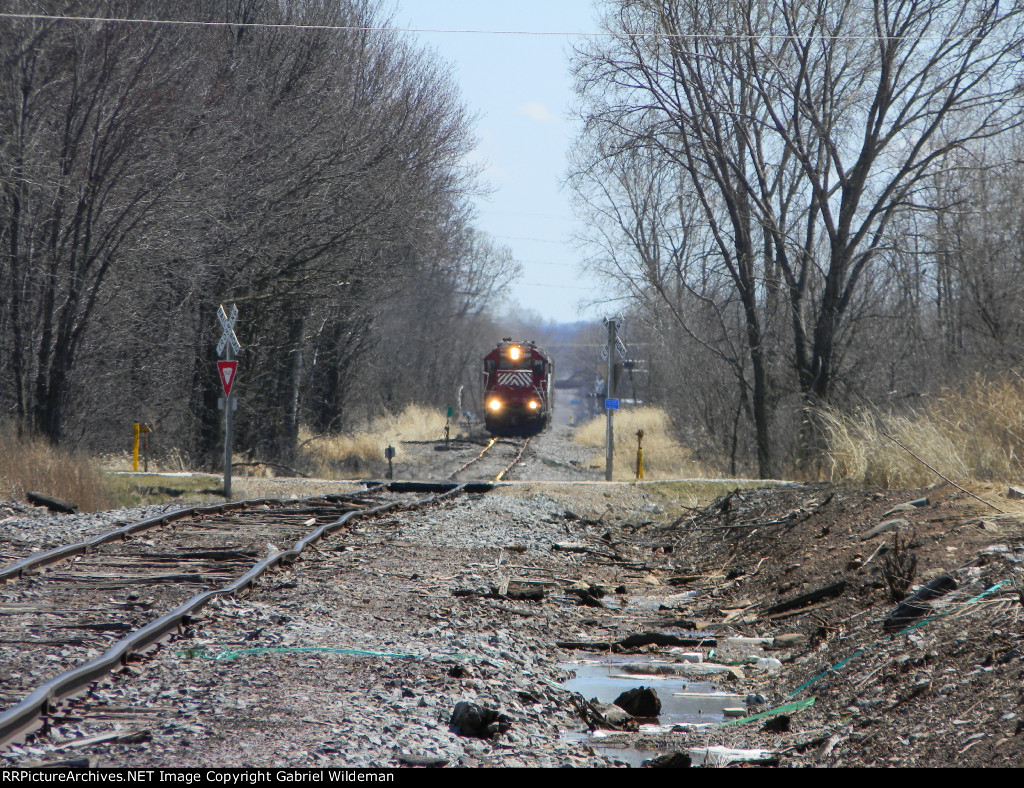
(135, 448)
(639, 454)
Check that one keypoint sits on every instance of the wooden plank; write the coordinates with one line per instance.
(720, 756)
(66, 763)
(44, 642)
(799, 611)
(140, 579)
(51, 503)
(116, 737)
(804, 600)
(98, 626)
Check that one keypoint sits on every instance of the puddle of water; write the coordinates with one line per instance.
(652, 603)
(685, 701)
(622, 753)
(603, 743)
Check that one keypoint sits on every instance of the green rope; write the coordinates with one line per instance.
(784, 709)
(839, 665)
(227, 654)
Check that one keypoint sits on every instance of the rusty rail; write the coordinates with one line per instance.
(478, 457)
(16, 569)
(484, 451)
(512, 464)
(24, 716)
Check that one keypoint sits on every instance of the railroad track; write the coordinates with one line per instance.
(485, 463)
(76, 613)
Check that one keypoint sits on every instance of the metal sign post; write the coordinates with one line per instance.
(610, 404)
(228, 369)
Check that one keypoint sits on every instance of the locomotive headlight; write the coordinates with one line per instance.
(534, 404)
(514, 353)
(494, 405)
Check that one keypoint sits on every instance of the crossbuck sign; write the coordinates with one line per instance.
(228, 337)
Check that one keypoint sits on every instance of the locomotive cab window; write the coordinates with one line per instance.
(507, 363)
(538, 367)
(489, 367)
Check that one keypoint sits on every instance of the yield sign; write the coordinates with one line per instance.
(227, 370)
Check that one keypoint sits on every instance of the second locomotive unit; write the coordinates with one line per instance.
(518, 388)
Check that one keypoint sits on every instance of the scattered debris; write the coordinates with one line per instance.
(640, 702)
(778, 724)
(898, 524)
(723, 756)
(51, 503)
(909, 506)
(469, 719)
(917, 605)
(426, 761)
(803, 600)
(670, 760)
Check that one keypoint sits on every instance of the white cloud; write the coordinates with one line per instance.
(534, 110)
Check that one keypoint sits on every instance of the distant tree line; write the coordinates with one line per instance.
(811, 203)
(314, 176)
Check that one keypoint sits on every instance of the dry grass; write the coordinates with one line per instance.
(173, 461)
(974, 434)
(28, 465)
(332, 453)
(664, 457)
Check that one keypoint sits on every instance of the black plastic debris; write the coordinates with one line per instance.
(469, 719)
(640, 702)
(915, 606)
(670, 760)
(778, 724)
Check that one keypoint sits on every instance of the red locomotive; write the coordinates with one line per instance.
(518, 388)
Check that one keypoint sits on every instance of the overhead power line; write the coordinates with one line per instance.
(272, 26)
(547, 262)
(725, 36)
(534, 240)
(556, 287)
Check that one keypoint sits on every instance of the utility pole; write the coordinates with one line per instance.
(610, 402)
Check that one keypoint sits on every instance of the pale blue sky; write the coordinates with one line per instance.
(521, 87)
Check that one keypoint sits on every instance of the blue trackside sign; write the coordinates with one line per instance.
(611, 404)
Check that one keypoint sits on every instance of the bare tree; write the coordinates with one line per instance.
(802, 130)
(295, 158)
(87, 120)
